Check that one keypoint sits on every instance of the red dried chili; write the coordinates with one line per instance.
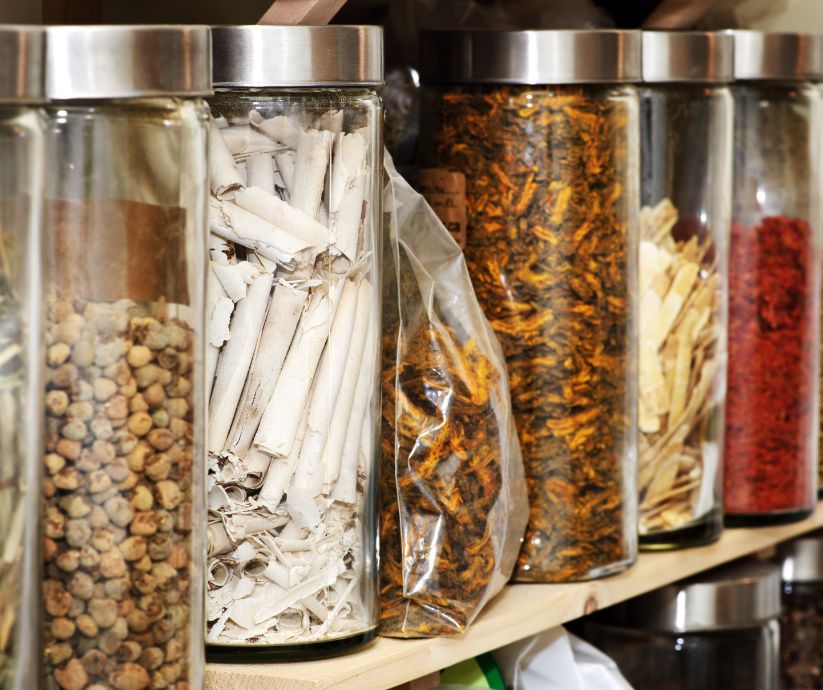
(770, 457)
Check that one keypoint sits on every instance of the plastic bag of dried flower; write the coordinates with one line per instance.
(454, 494)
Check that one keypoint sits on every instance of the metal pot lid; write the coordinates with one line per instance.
(738, 595)
(777, 56)
(531, 57)
(114, 62)
(21, 64)
(687, 56)
(801, 560)
(283, 56)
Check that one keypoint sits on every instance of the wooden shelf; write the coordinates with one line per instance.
(520, 611)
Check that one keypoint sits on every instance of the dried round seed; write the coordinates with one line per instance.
(139, 356)
(139, 423)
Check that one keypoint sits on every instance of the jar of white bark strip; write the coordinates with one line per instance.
(686, 154)
(21, 194)
(295, 164)
(124, 523)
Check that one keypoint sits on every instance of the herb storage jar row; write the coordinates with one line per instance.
(642, 228)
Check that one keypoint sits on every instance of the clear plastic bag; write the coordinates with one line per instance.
(454, 499)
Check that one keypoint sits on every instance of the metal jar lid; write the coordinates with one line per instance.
(801, 560)
(282, 56)
(777, 56)
(113, 62)
(687, 56)
(21, 64)
(530, 57)
(738, 595)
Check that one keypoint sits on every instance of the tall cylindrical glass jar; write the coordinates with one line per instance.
(686, 115)
(294, 304)
(801, 619)
(532, 136)
(771, 442)
(21, 337)
(125, 233)
(715, 631)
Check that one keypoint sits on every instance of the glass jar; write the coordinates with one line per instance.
(801, 621)
(125, 233)
(294, 413)
(716, 631)
(535, 134)
(686, 112)
(774, 281)
(21, 371)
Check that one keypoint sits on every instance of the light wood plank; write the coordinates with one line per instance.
(520, 611)
(310, 12)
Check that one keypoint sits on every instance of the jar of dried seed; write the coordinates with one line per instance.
(124, 520)
(530, 139)
(294, 303)
(686, 160)
(21, 369)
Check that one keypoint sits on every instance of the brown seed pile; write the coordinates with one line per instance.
(118, 498)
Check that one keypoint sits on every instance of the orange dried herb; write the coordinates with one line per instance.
(454, 500)
(551, 193)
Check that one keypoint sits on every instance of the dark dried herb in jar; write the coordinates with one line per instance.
(801, 636)
(551, 240)
(454, 499)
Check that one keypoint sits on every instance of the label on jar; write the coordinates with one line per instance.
(445, 190)
(111, 249)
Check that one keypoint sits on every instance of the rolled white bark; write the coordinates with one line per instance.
(310, 472)
(347, 192)
(242, 227)
(235, 278)
(331, 121)
(260, 172)
(280, 214)
(285, 160)
(278, 426)
(220, 308)
(243, 140)
(223, 174)
(280, 128)
(345, 490)
(234, 362)
(220, 251)
(278, 332)
(313, 153)
(278, 478)
(338, 427)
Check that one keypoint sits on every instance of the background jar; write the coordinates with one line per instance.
(771, 445)
(297, 140)
(21, 369)
(125, 231)
(686, 115)
(801, 621)
(714, 631)
(536, 135)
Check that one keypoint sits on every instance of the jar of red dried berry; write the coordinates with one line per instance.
(774, 281)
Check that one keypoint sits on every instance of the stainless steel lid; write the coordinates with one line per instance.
(777, 56)
(103, 62)
(801, 560)
(21, 64)
(687, 56)
(738, 595)
(280, 56)
(530, 57)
